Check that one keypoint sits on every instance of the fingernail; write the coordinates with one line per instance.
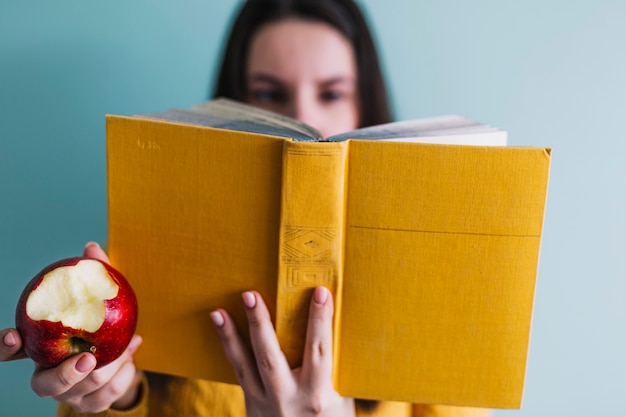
(217, 318)
(92, 245)
(9, 340)
(249, 299)
(85, 364)
(320, 295)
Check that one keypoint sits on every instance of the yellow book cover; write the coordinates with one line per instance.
(427, 232)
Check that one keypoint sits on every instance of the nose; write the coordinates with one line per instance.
(304, 108)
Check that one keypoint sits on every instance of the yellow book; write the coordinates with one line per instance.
(427, 232)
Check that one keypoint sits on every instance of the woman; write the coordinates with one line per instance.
(309, 59)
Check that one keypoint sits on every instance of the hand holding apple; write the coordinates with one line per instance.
(74, 381)
(76, 305)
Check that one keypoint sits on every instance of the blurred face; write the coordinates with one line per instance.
(305, 70)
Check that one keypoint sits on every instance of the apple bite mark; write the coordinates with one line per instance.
(73, 295)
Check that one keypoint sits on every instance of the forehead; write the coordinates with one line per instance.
(295, 48)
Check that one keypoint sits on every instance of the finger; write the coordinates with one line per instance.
(56, 381)
(121, 389)
(317, 361)
(10, 345)
(93, 250)
(132, 394)
(237, 353)
(101, 376)
(270, 359)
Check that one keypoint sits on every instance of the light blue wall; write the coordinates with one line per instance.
(551, 72)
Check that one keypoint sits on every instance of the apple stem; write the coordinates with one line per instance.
(81, 345)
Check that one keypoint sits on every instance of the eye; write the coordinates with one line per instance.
(331, 96)
(267, 95)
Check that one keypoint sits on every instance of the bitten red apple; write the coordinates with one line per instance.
(76, 305)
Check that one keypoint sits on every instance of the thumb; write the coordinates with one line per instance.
(60, 379)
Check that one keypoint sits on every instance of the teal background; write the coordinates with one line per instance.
(551, 72)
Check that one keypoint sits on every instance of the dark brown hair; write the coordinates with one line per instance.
(343, 15)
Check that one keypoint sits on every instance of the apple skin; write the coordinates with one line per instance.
(49, 343)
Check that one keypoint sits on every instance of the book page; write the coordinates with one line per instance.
(443, 130)
(232, 115)
(228, 114)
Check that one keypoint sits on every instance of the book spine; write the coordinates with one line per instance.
(311, 236)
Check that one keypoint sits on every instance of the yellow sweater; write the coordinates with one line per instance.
(166, 396)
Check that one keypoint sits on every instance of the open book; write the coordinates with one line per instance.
(430, 248)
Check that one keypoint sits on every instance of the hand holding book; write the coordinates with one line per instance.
(271, 387)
